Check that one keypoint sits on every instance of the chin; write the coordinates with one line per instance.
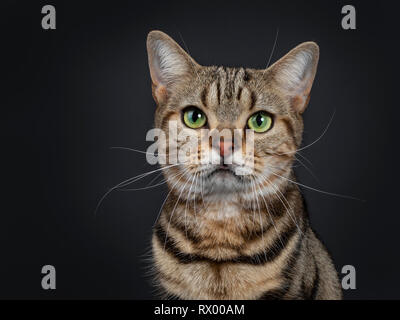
(224, 183)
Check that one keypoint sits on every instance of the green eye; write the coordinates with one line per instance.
(260, 122)
(194, 118)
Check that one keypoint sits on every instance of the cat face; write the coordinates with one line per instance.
(257, 114)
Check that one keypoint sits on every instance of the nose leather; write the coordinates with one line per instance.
(225, 148)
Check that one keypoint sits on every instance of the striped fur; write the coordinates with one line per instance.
(221, 236)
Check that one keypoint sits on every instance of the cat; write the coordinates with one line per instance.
(221, 235)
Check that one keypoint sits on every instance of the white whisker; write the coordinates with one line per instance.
(129, 181)
(316, 140)
(166, 198)
(314, 189)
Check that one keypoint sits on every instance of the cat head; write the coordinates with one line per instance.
(266, 104)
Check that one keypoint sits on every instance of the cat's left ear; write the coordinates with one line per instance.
(295, 72)
(169, 64)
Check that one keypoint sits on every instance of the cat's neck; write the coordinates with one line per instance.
(227, 224)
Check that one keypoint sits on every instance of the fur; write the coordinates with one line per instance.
(221, 236)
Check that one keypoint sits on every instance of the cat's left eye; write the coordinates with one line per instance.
(194, 118)
(260, 122)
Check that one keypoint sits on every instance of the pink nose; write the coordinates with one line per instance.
(225, 148)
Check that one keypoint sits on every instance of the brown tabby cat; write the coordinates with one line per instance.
(226, 236)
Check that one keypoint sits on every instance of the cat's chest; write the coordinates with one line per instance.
(220, 227)
(231, 281)
(214, 246)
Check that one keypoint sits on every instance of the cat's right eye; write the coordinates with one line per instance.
(260, 122)
(194, 118)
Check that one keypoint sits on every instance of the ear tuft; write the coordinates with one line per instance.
(295, 73)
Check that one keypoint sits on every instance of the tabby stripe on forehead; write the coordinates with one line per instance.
(260, 258)
(247, 97)
(253, 99)
(229, 89)
(246, 76)
(212, 94)
(239, 94)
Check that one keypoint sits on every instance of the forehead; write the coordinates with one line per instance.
(230, 92)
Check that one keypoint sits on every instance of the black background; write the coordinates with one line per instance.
(70, 94)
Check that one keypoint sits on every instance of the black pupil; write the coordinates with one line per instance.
(196, 115)
(259, 119)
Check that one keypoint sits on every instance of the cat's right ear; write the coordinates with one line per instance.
(168, 63)
(295, 72)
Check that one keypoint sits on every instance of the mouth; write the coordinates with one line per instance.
(223, 170)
